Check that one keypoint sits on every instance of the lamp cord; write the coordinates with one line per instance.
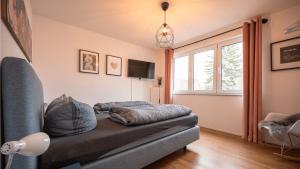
(9, 161)
(158, 94)
(165, 17)
(130, 89)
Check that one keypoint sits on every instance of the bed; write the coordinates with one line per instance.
(109, 146)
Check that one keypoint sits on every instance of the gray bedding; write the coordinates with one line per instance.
(109, 138)
(139, 112)
(106, 107)
(148, 113)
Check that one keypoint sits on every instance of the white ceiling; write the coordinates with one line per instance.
(136, 21)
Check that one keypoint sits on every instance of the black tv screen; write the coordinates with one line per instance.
(141, 69)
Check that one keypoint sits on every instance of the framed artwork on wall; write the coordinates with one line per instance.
(285, 54)
(88, 62)
(113, 65)
(15, 17)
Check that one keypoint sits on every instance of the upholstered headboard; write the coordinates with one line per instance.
(22, 105)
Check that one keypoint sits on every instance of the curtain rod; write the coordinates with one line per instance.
(264, 20)
(208, 38)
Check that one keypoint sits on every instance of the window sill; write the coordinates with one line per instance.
(206, 93)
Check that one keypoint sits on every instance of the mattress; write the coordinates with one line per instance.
(107, 139)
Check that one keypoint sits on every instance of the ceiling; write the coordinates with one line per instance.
(136, 21)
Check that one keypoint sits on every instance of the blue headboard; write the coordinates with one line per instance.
(22, 105)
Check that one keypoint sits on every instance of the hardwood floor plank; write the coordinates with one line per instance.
(223, 151)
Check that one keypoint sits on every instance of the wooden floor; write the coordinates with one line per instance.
(221, 151)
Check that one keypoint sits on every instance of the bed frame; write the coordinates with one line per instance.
(22, 114)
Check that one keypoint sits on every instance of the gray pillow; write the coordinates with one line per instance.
(56, 102)
(69, 118)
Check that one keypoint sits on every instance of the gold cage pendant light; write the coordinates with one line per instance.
(165, 35)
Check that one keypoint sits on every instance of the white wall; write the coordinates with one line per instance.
(9, 47)
(281, 88)
(223, 113)
(56, 59)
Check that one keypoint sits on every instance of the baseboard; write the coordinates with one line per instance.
(271, 145)
(220, 132)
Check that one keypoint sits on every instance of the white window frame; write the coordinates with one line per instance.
(219, 65)
(177, 56)
(217, 86)
(204, 49)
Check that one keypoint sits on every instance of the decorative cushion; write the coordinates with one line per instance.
(68, 117)
(56, 102)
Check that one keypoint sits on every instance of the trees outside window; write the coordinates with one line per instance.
(217, 69)
(204, 70)
(232, 67)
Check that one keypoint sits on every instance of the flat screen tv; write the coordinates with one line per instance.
(141, 69)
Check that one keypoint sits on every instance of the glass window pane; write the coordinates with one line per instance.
(204, 70)
(181, 75)
(232, 67)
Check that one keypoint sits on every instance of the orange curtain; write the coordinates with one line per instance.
(168, 75)
(252, 50)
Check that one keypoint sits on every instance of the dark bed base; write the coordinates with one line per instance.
(146, 154)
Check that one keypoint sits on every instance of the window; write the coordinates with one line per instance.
(181, 73)
(217, 69)
(204, 70)
(232, 67)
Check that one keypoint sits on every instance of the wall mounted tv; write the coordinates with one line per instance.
(141, 69)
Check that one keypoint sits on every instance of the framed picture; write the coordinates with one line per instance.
(88, 62)
(285, 54)
(15, 17)
(113, 65)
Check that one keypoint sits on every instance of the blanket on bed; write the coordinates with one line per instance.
(106, 107)
(147, 113)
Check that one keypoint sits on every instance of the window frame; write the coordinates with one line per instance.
(217, 83)
(177, 56)
(219, 65)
